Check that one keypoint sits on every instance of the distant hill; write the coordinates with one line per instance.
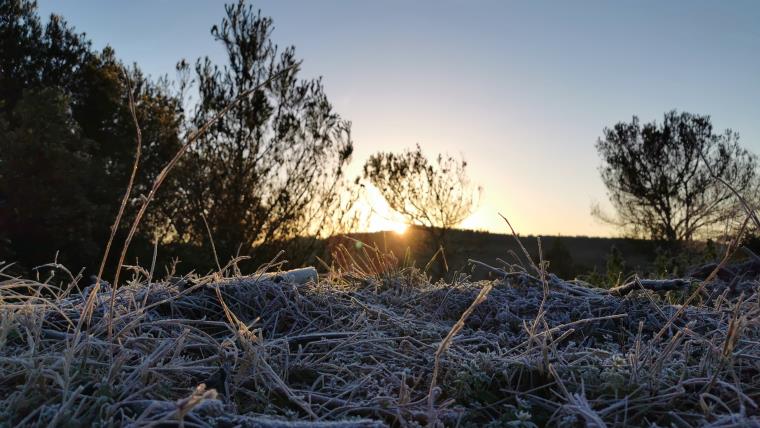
(585, 253)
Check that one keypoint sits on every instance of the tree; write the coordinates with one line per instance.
(272, 168)
(437, 195)
(658, 183)
(67, 139)
(43, 155)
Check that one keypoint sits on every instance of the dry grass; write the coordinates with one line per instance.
(359, 348)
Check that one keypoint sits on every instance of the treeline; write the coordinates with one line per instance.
(269, 169)
(603, 262)
(257, 154)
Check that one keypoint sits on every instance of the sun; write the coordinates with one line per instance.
(379, 216)
(399, 228)
(379, 223)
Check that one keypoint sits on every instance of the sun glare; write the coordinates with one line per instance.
(379, 223)
(399, 228)
(378, 214)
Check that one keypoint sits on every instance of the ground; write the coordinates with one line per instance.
(372, 343)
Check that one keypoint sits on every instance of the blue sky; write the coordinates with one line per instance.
(521, 89)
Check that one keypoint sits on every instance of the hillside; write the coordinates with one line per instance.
(586, 253)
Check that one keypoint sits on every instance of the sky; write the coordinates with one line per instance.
(522, 90)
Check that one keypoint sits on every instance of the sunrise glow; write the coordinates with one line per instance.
(378, 222)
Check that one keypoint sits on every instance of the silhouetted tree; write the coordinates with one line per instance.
(67, 139)
(437, 195)
(34, 55)
(658, 183)
(46, 171)
(272, 168)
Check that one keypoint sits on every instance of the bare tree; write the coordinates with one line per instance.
(437, 195)
(659, 184)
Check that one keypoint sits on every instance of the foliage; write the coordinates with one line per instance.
(273, 167)
(659, 184)
(43, 155)
(270, 170)
(432, 194)
(62, 176)
(436, 195)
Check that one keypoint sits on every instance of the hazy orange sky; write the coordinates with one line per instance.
(521, 89)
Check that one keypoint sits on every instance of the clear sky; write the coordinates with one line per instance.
(521, 89)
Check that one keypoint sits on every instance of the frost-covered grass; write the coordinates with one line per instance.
(358, 348)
